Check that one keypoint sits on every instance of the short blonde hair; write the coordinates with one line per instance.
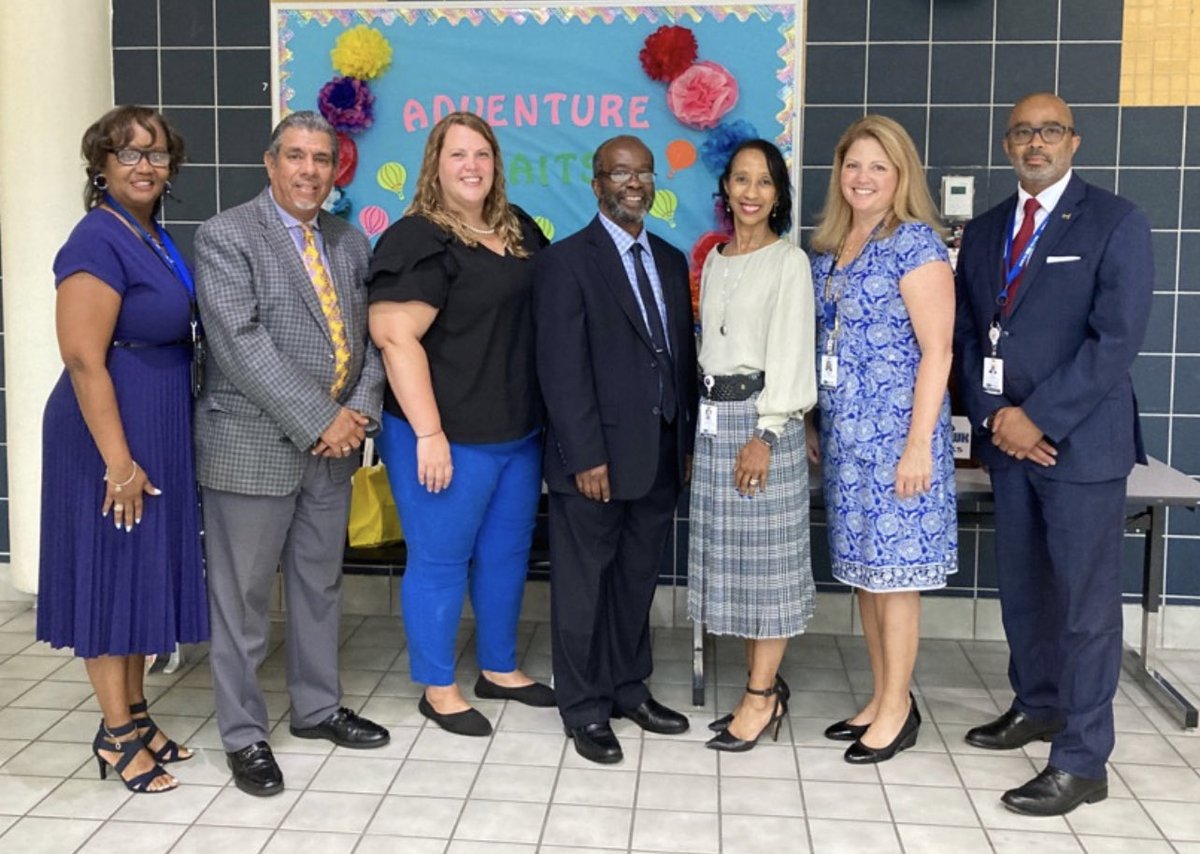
(912, 202)
(427, 200)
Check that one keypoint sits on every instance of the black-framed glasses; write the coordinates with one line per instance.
(624, 176)
(133, 156)
(1051, 133)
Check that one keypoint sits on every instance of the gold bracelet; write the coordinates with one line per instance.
(117, 486)
(429, 435)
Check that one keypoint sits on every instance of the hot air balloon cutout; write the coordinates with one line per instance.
(546, 226)
(391, 176)
(665, 203)
(681, 155)
(373, 220)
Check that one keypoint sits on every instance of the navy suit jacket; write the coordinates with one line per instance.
(597, 367)
(1077, 321)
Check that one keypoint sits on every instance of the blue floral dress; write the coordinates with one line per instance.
(878, 541)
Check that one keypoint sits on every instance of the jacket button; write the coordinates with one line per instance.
(656, 411)
(654, 364)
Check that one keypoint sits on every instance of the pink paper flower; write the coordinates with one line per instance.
(347, 103)
(700, 96)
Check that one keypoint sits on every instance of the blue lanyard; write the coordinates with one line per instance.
(1013, 271)
(168, 253)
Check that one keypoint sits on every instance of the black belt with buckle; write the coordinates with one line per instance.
(731, 387)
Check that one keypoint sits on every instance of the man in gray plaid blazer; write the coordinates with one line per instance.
(293, 386)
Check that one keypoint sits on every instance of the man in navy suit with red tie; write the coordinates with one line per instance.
(1054, 290)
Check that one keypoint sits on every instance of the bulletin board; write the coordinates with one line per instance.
(554, 82)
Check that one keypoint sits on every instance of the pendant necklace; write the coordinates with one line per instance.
(727, 292)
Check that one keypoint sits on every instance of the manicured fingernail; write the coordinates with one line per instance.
(156, 491)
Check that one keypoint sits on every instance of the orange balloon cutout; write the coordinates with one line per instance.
(681, 154)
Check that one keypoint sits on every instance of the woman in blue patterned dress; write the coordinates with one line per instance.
(885, 304)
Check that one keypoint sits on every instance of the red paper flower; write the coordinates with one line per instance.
(700, 249)
(668, 52)
(347, 160)
(700, 96)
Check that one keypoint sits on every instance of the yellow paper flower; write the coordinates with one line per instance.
(361, 52)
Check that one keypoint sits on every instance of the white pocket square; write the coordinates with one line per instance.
(1062, 259)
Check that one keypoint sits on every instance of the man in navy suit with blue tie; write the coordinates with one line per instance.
(617, 364)
(1054, 290)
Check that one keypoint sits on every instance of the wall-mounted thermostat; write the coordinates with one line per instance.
(958, 196)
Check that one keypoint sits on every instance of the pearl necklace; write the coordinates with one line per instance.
(470, 227)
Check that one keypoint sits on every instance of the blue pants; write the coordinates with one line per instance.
(1058, 554)
(477, 532)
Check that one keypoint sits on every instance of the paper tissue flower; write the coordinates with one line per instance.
(716, 150)
(700, 96)
(361, 52)
(668, 52)
(347, 104)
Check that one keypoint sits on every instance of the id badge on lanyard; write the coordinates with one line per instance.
(708, 412)
(993, 365)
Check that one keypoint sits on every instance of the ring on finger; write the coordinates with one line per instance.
(118, 506)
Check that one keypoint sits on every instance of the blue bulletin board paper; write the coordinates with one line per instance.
(554, 82)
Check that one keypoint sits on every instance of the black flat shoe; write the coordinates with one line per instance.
(596, 743)
(722, 723)
(535, 694)
(1011, 730)
(1055, 792)
(469, 722)
(730, 743)
(653, 716)
(255, 770)
(347, 729)
(845, 731)
(860, 754)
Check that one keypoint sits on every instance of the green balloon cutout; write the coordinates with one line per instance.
(665, 204)
(391, 176)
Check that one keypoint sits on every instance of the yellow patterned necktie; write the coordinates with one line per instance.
(329, 305)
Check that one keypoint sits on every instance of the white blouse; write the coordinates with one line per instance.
(757, 314)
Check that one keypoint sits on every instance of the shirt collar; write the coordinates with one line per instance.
(623, 238)
(1048, 197)
(290, 221)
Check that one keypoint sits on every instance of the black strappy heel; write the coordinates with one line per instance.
(170, 752)
(727, 741)
(113, 741)
(722, 723)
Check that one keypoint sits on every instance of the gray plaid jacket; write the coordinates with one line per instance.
(266, 396)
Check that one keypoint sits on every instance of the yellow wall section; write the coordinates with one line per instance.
(1160, 53)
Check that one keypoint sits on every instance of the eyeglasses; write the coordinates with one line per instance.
(133, 156)
(1051, 134)
(624, 176)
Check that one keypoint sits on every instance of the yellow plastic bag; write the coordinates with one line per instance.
(373, 518)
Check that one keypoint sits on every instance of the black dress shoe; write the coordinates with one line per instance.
(535, 694)
(860, 754)
(468, 722)
(1011, 730)
(347, 729)
(653, 716)
(596, 743)
(1055, 792)
(255, 770)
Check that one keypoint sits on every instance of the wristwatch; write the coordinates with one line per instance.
(767, 437)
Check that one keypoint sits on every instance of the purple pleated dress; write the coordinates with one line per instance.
(103, 591)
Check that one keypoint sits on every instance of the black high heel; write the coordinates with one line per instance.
(722, 723)
(726, 741)
(113, 741)
(172, 751)
(860, 754)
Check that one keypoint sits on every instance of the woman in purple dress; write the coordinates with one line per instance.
(121, 574)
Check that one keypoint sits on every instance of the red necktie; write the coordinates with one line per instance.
(1018, 247)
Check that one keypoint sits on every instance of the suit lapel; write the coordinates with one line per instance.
(284, 247)
(1065, 214)
(996, 239)
(612, 273)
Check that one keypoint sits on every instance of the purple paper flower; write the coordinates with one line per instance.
(347, 103)
(722, 140)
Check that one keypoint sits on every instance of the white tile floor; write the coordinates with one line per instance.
(525, 789)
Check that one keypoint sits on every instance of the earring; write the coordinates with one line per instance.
(167, 190)
(100, 182)
(728, 209)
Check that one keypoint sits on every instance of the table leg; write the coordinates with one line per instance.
(697, 663)
(1141, 665)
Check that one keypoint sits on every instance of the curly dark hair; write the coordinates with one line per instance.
(113, 131)
(780, 219)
